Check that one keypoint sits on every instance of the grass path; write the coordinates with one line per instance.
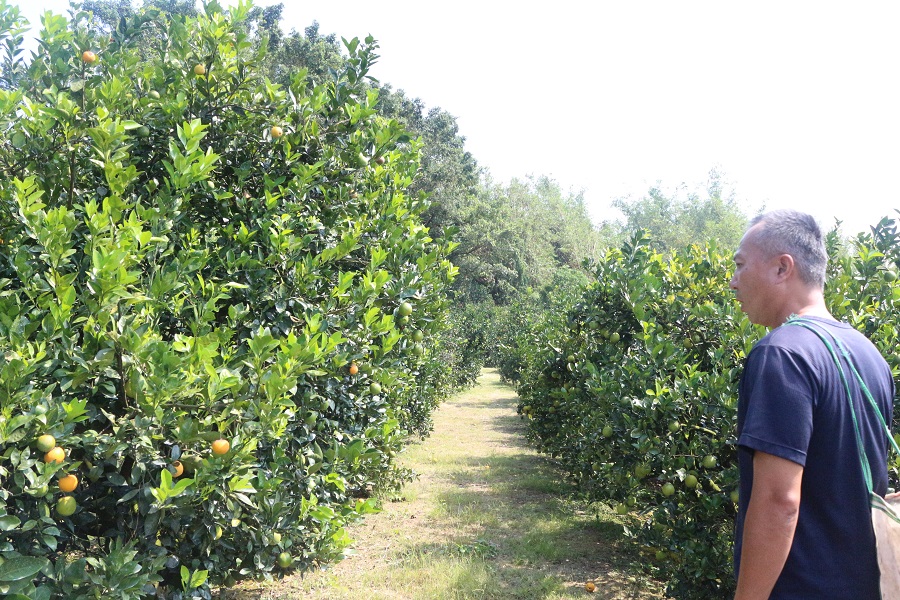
(486, 518)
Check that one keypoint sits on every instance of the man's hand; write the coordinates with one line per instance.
(769, 525)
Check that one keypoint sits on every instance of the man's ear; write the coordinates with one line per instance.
(785, 266)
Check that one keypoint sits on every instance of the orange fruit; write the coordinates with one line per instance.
(590, 586)
(179, 468)
(89, 57)
(220, 447)
(285, 560)
(68, 483)
(200, 69)
(276, 131)
(354, 368)
(46, 443)
(56, 455)
(66, 506)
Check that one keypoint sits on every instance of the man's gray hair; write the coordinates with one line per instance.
(798, 234)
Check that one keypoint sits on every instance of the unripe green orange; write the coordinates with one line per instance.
(66, 506)
(46, 443)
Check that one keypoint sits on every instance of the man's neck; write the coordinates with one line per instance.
(814, 306)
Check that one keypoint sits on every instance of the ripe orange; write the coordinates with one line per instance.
(220, 447)
(276, 131)
(354, 368)
(68, 483)
(89, 57)
(200, 69)
(46, 443)
(590, 586)
(179, 468)
(66, 506)
(56, 455)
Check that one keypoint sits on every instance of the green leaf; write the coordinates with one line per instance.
(21, 567)
(198, 578)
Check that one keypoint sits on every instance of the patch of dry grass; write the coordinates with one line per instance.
(486, 518)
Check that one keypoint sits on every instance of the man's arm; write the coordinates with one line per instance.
(769, 524)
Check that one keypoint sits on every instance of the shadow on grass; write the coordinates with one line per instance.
(508, 528)
(522, 505)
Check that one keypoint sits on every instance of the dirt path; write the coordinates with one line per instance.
(486, 518)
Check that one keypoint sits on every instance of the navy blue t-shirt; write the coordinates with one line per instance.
(792, 404)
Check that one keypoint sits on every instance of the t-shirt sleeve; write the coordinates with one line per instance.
(780, 399)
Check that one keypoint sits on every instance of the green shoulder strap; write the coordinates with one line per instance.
(822, 332)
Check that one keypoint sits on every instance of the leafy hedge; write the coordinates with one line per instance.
(635, 391)
(193, 256)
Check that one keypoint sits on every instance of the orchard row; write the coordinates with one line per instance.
(634, 390)
(220, 312)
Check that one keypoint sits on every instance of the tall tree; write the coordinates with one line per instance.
(449, 174)
(686, 217)
(515, 237)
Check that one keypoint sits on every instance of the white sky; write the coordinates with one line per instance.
(796, 103)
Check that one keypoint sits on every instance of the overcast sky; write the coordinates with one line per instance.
(795, 103)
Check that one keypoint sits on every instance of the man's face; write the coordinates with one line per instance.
(753, 281)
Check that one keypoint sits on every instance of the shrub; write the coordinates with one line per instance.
(176, 271)
(636, 393)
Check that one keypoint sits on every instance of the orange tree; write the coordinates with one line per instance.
(191, 259)
(635, 390)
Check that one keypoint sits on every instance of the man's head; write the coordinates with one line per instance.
(798, 234)
(779, 266)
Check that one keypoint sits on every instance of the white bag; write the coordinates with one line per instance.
(886, 522)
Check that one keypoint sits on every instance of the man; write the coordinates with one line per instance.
(803, 528)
